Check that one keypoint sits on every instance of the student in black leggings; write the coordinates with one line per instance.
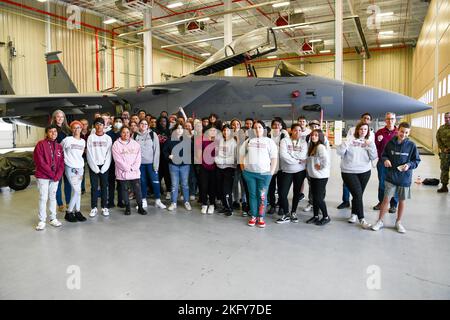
(318, 166)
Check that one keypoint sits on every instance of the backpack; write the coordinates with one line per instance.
(430, 182)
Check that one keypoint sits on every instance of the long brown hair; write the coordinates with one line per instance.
(313, 146)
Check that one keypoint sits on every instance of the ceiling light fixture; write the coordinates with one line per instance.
(315, 40)
(272, 57)
(381, 33)
(174, 5)
(206, 54)
(281, 4)
(109, 21)
(325, 51)
(204, 19)
(386, 45)
(385, 14)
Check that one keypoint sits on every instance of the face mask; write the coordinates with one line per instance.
(171, 125)
(118, 125)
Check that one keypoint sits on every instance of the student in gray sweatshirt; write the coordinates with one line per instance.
(226, 162)
(356, 166)
(293, 154)
(150, 155)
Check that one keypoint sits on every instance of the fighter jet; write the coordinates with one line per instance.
(288, 94)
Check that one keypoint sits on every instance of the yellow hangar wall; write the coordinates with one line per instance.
(28, 70)
(431, 73)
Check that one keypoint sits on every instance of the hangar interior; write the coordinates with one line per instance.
(399, 45)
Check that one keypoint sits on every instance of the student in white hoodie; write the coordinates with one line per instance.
(277, 134)
(293, 154)
(99, 159)
(226, 165)
(318, 166)
(357, 154)
(73, 148)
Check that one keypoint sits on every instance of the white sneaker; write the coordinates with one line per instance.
(55, 223)
(204, 209)
(364, 224)
(308, 208)
(105, 212)
(181, 198)
(377, 225)
(40, 226)
(187, 205)
(168, 196)
(93, 213)
(144, 203)
(172, 207)
(400, 227)
(210, 209)
(159, 204)
(353, 218)
(192, 198)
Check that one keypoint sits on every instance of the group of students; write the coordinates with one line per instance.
(223, 161)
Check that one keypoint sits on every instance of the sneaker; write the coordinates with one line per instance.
(378, 206)
(283, 219)
(159, 204)
(144, 203)
(400, 227)
(40, 226)
(302, 196)
(353, 219)
(294, 218)
(55, 223)
(210, 209)
(142, 211)
(377, 225)
(344, 205)
(229, 213)
(192, 198)
(364, 224)
(312, 220)
(392, 210)
(308, 208)
(261, 223)
(245, 214)
(252, 222)
(79, 216)
(187, 206)
(168, 196)
(443, 189)
(323, 221)
(204, 209)
(105, 212)
(93, 212)
(172, 207)
(70, 216)
(127, 211)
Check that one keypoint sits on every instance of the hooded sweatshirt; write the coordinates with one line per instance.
(400, 153)
(322, 156)
(226, 154)
(258, 154)
(293, 155)
(127, 157)
(149, 148)
(355, 156)
(277, 139)
(48, 158)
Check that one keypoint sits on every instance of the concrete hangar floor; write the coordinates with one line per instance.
(193, 256)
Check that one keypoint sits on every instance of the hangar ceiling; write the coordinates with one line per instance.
(397, 23)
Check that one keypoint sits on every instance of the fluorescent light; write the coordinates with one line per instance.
(42, 0)
(386, 32)
(301, 27)
(109, 21)
(325, 51)
(174, 5)
(204, 19)
(272, 57)
(385, 14)
(206, 54)
(281, 4)
(315, 40)
(386, 45)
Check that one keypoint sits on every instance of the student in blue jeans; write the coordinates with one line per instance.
(177, 151)
(259, 156)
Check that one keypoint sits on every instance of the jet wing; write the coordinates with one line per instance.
(6, 99)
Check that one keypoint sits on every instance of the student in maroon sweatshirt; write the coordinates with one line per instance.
(49, 162)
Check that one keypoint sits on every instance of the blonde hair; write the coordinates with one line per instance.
(64, 127)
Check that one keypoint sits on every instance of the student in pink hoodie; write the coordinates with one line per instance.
(127, 157)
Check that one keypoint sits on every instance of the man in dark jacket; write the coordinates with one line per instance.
(400, 157)
(49, 161)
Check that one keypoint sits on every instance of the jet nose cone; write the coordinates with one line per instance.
(359, 99)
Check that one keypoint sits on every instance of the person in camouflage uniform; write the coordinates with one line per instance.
(443, 140)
